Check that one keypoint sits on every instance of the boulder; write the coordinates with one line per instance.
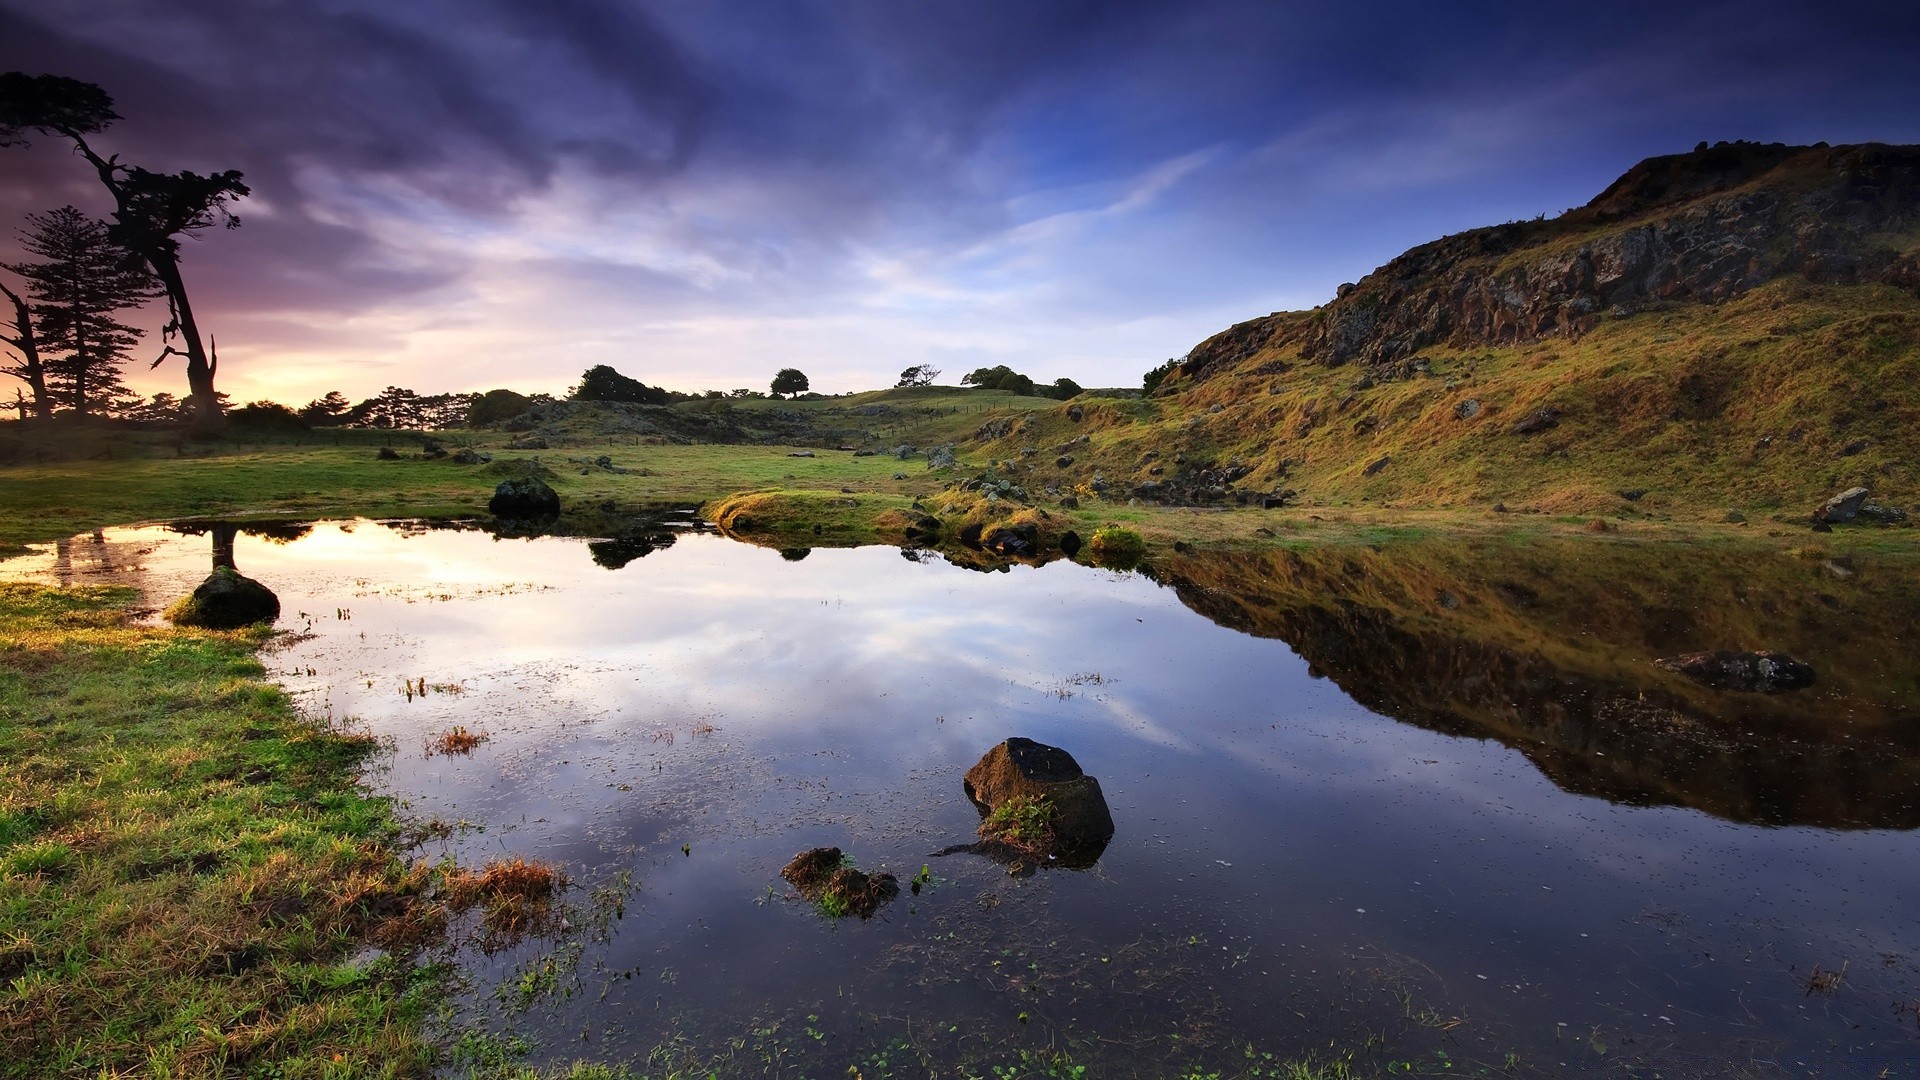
(525, 497)
(801, 453)
(529, 442)
(1376, 465)
(227, 600)
(1885, 515)
(1075, 413)
(1467, 409)
(941, 457)
(1023, 769)
(1016, 540)
(467, 455)
(1070, 543)
(1842, 508)
(387, 453)
(1754, 672)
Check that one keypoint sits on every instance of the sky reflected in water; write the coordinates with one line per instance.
(1289, 868)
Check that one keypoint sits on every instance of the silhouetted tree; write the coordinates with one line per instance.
(25, 364)
(1153, 378)
(151, 210)
(82, 280)
(789, 381)
(1064, 388)
(266, 416)
(602, 383)
(496, 406)
(443, 410)
(329, 410)
(160, 407)
(396, 407)
(918, 375)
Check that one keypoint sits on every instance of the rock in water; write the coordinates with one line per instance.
(1842, 508)
(1022, 768)
(227, 600)
(527, 497)
(1755, 672)
(823, 872)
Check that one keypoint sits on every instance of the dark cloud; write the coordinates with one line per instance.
(765, 159)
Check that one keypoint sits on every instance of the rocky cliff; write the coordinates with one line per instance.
(1705, 226)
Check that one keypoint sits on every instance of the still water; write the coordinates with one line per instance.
(1428, 805)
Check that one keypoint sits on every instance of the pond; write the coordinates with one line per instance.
(1428, 804)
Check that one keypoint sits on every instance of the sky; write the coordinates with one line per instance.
(457, 195)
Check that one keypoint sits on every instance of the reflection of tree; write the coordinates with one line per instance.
(795, 554)
(616, 553)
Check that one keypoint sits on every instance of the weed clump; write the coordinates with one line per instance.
(1023, 823)
(830, 880)
(457, 741)
(517, 895)
(1116, 546)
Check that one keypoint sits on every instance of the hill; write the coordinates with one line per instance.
(1733, 328)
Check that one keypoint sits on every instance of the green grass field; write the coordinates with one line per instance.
(186, 865)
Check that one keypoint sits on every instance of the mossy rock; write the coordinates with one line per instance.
(227, 600)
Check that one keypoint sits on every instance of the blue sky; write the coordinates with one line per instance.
(462, 194)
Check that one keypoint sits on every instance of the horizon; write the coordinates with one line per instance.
(505, 196)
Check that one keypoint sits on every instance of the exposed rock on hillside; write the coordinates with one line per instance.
(1704, 226)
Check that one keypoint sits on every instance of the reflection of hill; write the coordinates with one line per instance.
(1547, 648)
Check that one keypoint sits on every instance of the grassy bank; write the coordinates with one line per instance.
(186, 865)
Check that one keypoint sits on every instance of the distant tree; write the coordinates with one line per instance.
(712, 395)
(152, 211)
(161, 407)
(1064, 388)
(788, 381)
(266, 416)
(999, 377)
(1152, 379)
(329, 410)
(25, 365)
(918, 375)
(443, 410)
(602, 383)
(745, 392)
(395, 407)
(496, 407)
(82, 279)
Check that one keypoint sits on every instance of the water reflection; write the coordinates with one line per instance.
(1548, 647)
(1293, 853)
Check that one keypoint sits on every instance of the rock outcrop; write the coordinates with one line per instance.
(1704, 226)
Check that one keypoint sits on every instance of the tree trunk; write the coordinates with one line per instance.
(30, 369)
(202, 403)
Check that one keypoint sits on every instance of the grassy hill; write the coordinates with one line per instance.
(1734, 329)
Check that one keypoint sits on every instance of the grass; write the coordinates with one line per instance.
(185, 864)
(1750, 405)
(1023, 823)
